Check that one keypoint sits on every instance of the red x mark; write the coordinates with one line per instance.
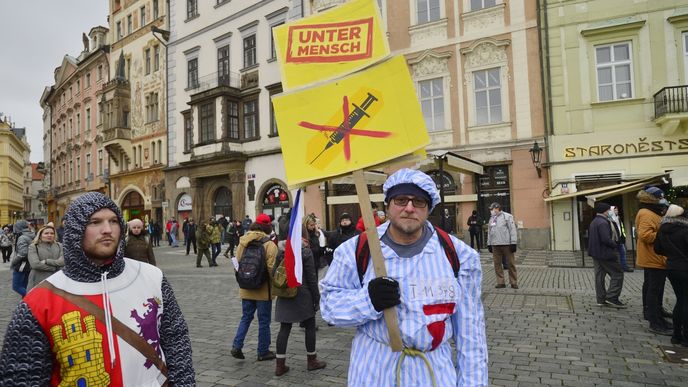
(346, 129)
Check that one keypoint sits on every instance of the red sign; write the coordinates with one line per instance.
(330, 42)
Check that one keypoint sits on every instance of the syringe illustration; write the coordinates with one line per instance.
(346, 128)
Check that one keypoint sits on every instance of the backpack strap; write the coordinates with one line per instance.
(363, 253)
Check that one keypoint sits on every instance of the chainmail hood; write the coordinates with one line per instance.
(77, 266)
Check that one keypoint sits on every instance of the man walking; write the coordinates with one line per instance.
(448, 309)
(501, 242)
(603, 248)
(190, 235)
(124, 310)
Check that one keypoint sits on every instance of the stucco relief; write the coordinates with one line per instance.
(429, 64)
(491, 134)
(486, 19)
(485, 54)
(426, 33)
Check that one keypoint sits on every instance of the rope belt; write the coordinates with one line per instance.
(414, 353)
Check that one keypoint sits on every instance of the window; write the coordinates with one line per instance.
(613, 62)
(250, 119)
(192, 73)
(100, 162)
(78, 123)
(160, 151)
(273, 121)
(140, 156)
(152, 107)
(88, 118)
(480, 4)
(207, 122)
(153, 151)
(88, 81)
(273, 51)
(223, 65)
(142, 12)
(191, 9)
(431, 93)
(78, 86)
(188, 131)
(100, 74)
(685, 56)
(249, 50)
(233, 120)
(136, 164)
(155, 9)
(148, 61)
(88, 166)
(156, 58)
(78, 169)
(427, 10)
(129, 24)
(71, 171)
(119, 30)
(488, 96)
(71, 128)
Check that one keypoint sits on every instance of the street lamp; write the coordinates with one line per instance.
(535, 155)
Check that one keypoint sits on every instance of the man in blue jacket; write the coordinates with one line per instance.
(602, 247)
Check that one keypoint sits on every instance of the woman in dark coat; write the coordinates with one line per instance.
(137, 246)
(672, 242)
(300, 309)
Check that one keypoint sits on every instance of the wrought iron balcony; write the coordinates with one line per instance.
(671, 108)
(214, 80)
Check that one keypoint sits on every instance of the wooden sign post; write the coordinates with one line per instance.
(390, 314)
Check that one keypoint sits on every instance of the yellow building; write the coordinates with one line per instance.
(616, 84)
(14, 151)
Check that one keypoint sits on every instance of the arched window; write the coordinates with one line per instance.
(275, 201)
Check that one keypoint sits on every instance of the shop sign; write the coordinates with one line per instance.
(184, 203)
(276, 195)
(634, 147)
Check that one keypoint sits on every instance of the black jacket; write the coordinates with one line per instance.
(672, 242)
(601, 245)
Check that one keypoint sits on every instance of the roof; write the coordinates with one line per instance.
(35, 175)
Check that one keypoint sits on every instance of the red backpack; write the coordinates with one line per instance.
(363, 253)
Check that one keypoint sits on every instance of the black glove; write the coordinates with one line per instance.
(384, 293)
(489, 248)
(512, 248)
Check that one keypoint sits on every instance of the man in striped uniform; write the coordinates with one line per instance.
(432, 305)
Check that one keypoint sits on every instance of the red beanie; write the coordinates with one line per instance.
(263, 219)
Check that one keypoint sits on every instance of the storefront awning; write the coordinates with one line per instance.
(637, 185)
(617, 188)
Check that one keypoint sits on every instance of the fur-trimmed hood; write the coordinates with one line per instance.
(647, 198)
(77, 266)
(672, 224)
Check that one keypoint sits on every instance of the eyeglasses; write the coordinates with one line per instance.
(417, 203)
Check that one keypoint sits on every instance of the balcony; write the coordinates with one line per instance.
(118, 140)
(215, 80)
(671, 109)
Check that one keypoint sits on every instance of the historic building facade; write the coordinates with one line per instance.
(14, 155)
(132, 107)
(616, 81)
(75, 156)
(224, 151)
(476, 68)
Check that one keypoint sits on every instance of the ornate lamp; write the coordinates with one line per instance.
(535, 155)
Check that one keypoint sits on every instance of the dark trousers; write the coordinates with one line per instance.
(156, 240)
(679, 281)
(189, 242)
(653, 294)
(285, 330)
(613, 269)
(6, 253)
(475, 237)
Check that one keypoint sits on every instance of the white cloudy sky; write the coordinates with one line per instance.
(34, 37)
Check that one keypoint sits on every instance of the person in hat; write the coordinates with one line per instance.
(603, 243)
(436, 307)
(672, 242)
(124, 310)
(344, 232)
(652, 206)
(501, 242)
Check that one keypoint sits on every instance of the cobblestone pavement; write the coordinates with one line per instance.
(548, 332)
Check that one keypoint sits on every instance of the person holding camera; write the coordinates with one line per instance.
(501, 242)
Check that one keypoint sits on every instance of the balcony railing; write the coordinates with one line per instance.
(214, 80)
(671, 100)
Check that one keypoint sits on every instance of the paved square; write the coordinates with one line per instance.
(547, 333)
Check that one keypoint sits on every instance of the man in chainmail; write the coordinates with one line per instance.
(39, 345)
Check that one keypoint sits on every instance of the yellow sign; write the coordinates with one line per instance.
(356, 122)
(330, 44)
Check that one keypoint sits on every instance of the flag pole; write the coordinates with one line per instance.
(390, 314)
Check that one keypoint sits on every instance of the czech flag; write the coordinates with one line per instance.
(293, 263)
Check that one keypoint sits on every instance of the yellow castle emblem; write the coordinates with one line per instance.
(80, 354)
